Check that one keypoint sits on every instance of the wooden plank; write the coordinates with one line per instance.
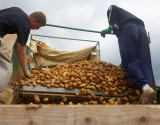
(79, 115)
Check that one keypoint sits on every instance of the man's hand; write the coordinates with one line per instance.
(28, 74)
(29, 59)
(104, 32)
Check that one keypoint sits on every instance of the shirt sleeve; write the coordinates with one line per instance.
(23, 34)
(111, 14)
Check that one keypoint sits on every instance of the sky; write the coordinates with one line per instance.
(91, 15)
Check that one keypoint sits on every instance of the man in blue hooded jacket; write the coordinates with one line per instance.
(134, 49)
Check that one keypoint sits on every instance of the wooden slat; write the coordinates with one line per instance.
(80, 115)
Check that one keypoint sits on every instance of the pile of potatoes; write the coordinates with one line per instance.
(87, 76)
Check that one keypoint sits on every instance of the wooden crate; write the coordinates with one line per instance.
(79, 114)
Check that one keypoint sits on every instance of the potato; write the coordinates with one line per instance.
(27, 83)
(88, 91)
(77, 94)
(61, 85)
(38, 81)
(66, 86)
(101, 100)
(61, 103)
(36, 99)
(154, 102)
(21, 82)
(115, 94)
(126, 99)
(89, 96)
(65, 81)
(93, 96)
(97, 86)
(74, 84)
(48, 85)
(34, 83)
(91, 102)
(79, 83)
(119, 91)
(119, 101)
(92, 84)
(95, 102)
(127, 103)
(123, 88)
(15, 83)
(82, 85)
(56, 86)
(45, 100)
(111, 101)
(106, 89)
(105, 94)
(104, 103)
(70, 103)
(64, 99)
(79, 104)
(85, 103)
(83, 78)
(53, 81)
(81, 91)
(93, 88)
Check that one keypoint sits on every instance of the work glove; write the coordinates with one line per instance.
(104, 32)
(28, 74)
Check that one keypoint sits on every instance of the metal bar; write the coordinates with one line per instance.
(93, 31)
(99, 50)
(41, 89)
(55, 95)
(64, 38)
(73, 28)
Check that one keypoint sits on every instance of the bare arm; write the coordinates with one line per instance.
(21, 54)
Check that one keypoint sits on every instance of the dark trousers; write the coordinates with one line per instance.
(135, 54)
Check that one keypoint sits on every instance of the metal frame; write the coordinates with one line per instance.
(97, 45)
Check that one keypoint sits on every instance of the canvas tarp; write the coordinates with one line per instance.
(45, 56)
